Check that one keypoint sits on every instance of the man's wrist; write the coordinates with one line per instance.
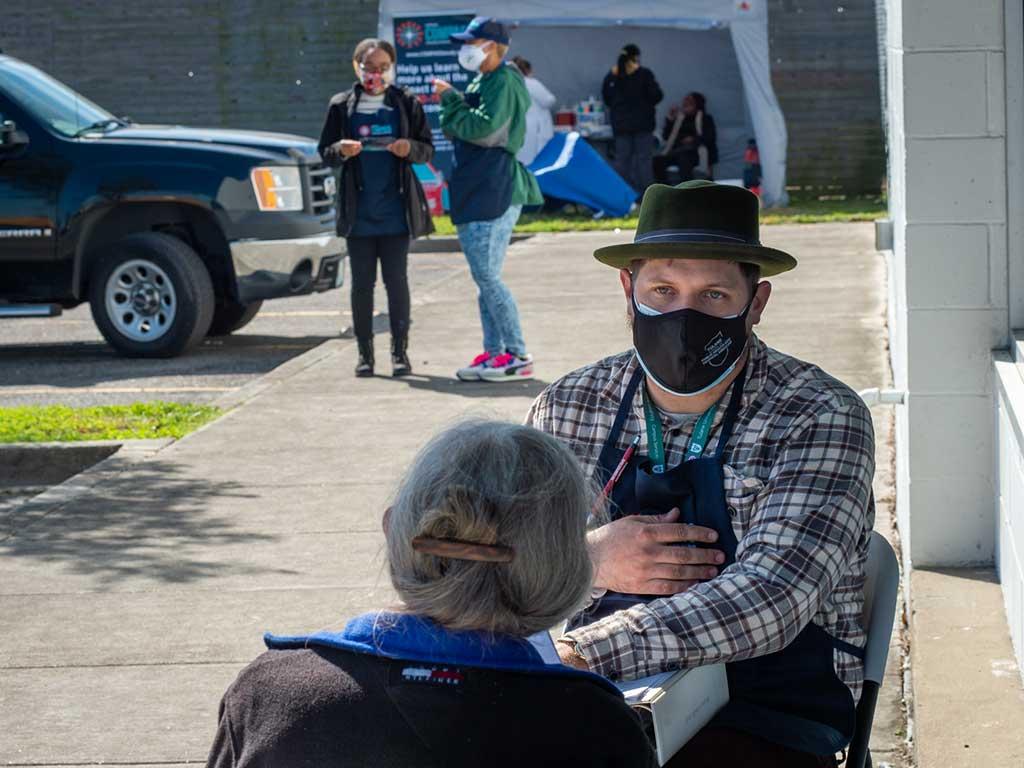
(569, 653)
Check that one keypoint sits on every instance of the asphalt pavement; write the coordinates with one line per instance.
(65, 360)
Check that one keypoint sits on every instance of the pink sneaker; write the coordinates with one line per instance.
(472, 371)
(508, 367)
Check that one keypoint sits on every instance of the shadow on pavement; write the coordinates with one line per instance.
(451, 386)
(150, 524)
(87, 363)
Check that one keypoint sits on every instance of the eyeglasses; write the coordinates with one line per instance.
(371, 70)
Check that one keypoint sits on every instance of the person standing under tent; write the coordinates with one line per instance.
(691, 141)
(488, 188)
(631, 93)
(375, 132)
(539, 125)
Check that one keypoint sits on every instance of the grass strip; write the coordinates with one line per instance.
(800, 211)
(138, 421)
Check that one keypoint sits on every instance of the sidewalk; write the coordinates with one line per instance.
(128, 612)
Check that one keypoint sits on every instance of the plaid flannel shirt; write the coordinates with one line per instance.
(798, 473)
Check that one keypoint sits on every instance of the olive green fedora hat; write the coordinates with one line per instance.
(698, 220)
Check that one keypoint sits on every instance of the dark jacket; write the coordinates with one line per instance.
(632, 99)
(413, 126)
(325, 707)
(709, 136)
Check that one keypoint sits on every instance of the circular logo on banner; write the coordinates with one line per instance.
(364, 130)
(409, 34)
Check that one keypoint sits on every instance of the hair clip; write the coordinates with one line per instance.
(463, 550)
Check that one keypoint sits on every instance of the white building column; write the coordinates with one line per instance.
(949, 296)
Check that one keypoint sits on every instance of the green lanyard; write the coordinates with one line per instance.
(656, 437)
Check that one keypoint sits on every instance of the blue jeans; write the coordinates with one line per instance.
(485, 244)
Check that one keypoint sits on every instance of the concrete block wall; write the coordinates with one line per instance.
(949, 306)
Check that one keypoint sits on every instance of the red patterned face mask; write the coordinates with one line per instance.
(376, 81)
(372, 81)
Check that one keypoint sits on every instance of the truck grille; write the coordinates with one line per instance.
(321, 186)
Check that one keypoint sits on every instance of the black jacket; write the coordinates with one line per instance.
(324, 708)
(631, 99)
(413, 126)
(709, 136)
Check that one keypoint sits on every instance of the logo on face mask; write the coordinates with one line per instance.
(716, 351)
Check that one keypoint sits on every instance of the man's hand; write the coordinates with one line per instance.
(399, 147)
(440, 86)
(348, 147)
(567, 653)
(635, 555)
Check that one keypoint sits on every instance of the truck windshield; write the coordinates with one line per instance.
(49, 100)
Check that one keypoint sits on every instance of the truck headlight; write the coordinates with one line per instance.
(277, 188)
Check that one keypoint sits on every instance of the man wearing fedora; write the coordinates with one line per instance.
(742, 507)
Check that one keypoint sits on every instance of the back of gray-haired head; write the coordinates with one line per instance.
(493, 483)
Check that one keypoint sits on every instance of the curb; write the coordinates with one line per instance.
(232, 400)
(125, 454)
(449, 244)
(129, 452)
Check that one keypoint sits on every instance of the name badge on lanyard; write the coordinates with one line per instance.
(656, 437)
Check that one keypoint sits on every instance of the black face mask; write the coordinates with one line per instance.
(687, 352)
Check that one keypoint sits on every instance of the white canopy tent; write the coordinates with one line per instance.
(718, 47)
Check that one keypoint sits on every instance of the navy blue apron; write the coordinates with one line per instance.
(792, 697)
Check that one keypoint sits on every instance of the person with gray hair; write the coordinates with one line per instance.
(486, 548)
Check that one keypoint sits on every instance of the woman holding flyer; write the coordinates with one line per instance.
(375, 132)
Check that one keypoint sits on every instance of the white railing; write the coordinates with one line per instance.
(1009, 442)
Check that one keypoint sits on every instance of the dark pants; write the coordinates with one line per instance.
(393, 253)
(633, 152)
(686, 159)
(714, 747)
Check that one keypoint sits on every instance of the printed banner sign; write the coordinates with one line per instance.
(425, 53)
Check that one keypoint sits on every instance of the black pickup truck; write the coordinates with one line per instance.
(170, 233)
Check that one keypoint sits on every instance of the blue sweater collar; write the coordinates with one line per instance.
(416, 638)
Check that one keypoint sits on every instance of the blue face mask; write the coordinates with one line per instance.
(687, 352)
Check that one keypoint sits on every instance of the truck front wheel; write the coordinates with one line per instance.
(151, 296)
(229, 316)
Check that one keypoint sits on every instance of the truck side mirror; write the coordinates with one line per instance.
(11, 137)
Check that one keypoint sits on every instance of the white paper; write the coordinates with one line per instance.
(640, 691)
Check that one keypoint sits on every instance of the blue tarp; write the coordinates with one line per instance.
(570, 169)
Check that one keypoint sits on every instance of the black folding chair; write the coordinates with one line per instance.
(881, 585)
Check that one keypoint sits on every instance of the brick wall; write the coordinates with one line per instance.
(826, 76)
(259, 64)
(273, 64)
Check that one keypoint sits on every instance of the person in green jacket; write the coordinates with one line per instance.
(488, 188)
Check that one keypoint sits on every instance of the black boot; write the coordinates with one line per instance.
(400, 365)
(365, 365)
